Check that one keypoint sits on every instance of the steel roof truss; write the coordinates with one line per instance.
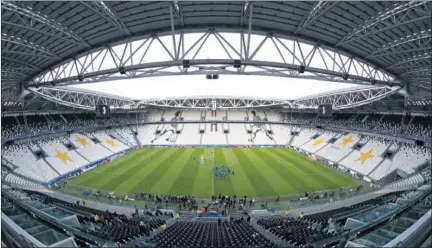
(424, 56)
(396, 14)
(318, 10)
(29, 18)
(37, 50)
(423, 35)
(104, 11)
(348, 99)
(96, 65)
(78, 99)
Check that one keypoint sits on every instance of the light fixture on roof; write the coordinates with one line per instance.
(301, 69)
(80, 78)
(176, 5)
(245, 6)
(122, 70)
(186, 64)
(345, 76)
(212, 76)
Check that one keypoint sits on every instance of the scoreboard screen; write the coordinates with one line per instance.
(325, 111)
(103, 111)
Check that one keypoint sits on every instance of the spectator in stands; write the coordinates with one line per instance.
(329, 221)
(301, 216)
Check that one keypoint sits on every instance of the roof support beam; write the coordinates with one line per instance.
(412, 59)
(423, 49)
(337, 66)
(8, 77)
(29, 20)
(420, 71)
(318, 10)
(42, 32)
(20, 68)
(104, 11)
(11, 71)
(177, 11)
(173, 32)
(26, 44)
(392, 13)
(348, 98)
(80, 99)
(364, 35)
(424, 35)
(245, 12)
(404, 68)
(26, 54)
(33, 67)
(249, 31)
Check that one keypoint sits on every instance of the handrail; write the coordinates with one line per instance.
(53, 221)
(353, 233)
(407, 236)
(9, 224)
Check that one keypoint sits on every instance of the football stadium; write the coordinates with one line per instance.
(216, 123)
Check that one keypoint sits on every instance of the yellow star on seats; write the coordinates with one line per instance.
(318, 142)
(82, 141)
(110, 142)
(63, 156)
(365, 156)
(346, 141)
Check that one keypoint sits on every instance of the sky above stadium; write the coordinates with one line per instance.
(226, 86)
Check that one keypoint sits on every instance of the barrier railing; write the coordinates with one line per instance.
(285, 201)
(407, 138)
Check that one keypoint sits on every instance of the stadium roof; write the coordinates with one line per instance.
(392, 39)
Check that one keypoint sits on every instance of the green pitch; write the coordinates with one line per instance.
(258, 172)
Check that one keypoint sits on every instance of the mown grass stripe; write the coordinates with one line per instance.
(145, 183)
(330, 174)
(312, 170)
(142, 158)
(132, 176)
(183, 181)
(122, 162)
(258, 172)
(241, 184)
(92, 178)
(309, 171)
(203, 180)
(278, 184)
(295, 181)
(259, 182)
